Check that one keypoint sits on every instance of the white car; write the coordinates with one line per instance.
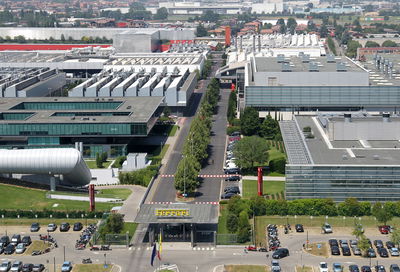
(20, 248)
(394, 251)
(323, 267)
(326, 228)
(5, 266)
(51, 227)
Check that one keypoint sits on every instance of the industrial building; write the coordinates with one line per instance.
(339, 156)
(30, 82)
(97, 124)
(288, 85)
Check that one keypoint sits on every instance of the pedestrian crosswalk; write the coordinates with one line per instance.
(197, 202)
(147, 248)
(200, 176)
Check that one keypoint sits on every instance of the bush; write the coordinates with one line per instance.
(232, 222)
(230, 130)
(243, 235)
(119, 161)
(277, 165)
(139, 177)
(306, 129)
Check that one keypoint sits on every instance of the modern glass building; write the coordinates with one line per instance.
(336, 157)
(102, 125)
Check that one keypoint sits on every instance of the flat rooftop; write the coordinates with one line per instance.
(379, 77)
(321, 149)
(306, 64)
(78, 110)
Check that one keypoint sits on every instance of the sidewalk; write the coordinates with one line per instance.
(265, 178)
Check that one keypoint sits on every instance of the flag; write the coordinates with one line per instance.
(153, 254)
(160, 243)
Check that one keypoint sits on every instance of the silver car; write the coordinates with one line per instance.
(16, 266)
(394, 251)
(356, 250)
(20, 248)
(5, 266)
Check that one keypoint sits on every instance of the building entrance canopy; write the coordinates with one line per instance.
(178, 213)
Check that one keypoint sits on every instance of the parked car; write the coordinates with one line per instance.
(378, 243)
(346, 251)
(275, 267)
(235, 133)
(383, 252)
(26, 240)
(356, 251)
(251, 248)
(323, 267)
(333, 242)
(343, 243)
(16, 239)
(64, 227)
(20, 248)
(366, 268)
(353, 243)
(16, 266)
(299, 228)
(394, 251)
(354, 268)
(230, 171)
(384, 229)
(326, 228)
(380, 268)
(78, 226)
(262, 249)
(371, 253)
(232, 189)
(35, 227)
(227, 195)
(280, 253)
(233, 178)
(2, 249)
(4, 241)
(38, 268)
(394, 268)
(390, 244)
(66, 267)
(5, 266)
(9, 249)
(51, 227)
(337, 267)
(27, 267)
(335, 250)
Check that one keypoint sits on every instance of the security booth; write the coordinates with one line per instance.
(179, 222)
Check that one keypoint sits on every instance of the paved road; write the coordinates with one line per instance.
(165, 191)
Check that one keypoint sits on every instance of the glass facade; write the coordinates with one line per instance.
(67, 106)
(319, 96)
(10, 129)
(366, 183)
(43, 141)
(71, 114)
(15, 116)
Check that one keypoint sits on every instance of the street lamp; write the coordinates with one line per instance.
(184, 175)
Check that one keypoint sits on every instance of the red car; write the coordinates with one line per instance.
(234, 138)
(251, 248)
(384, 229)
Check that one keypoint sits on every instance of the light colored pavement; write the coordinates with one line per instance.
(265, 178)
(83, 198)
(130, 206)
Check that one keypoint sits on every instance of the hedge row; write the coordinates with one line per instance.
(47, 213)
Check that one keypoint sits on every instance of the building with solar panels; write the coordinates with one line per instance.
(346, 155)
(308, 84)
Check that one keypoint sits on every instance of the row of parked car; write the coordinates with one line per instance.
(230, 165)
(338, 267)
(14, 245)
(64, 227)
(353, 244)
(18, 266)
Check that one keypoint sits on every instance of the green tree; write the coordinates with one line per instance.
(395, 237)
(114, 224)
(382, 213)
(352, 48)
(371, 44)
(210, 16)
(99, 163)
(250, 150)
(323, 31)
(257, 206)
(244, 227)
(352, 207)
(358, 231)
(363, 244)
(186, 180)
(389, 43)
(167, 111)
(269, 128)
(201, 31)
(291, 22)
(232, 222)
(250, 122)
(232, 104)
(162, 14)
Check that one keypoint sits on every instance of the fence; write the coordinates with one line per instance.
(227, 239)
(116, 239)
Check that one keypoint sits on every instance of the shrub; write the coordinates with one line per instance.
(139, 177)
(277, 165)
(306, 129)
(232, 222)
(119, 161)
(230, 130)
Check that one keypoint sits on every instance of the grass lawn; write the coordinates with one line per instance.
(20, 198)
(222, 219)
(246, 268)
(35, 246)
(43, 221)
(92, 164)
(314, 250)
(269, 187)
(304, 268)
(115, 193)
(130, 228)
(172, 130)
(274, 153)
(91, 268)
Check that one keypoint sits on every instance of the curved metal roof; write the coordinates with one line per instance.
(55, 161)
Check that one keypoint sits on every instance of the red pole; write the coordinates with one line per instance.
(260, 181)
(91, 197)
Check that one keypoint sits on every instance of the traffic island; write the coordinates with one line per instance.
(92, 268)
(317, 249)
(246, 268)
